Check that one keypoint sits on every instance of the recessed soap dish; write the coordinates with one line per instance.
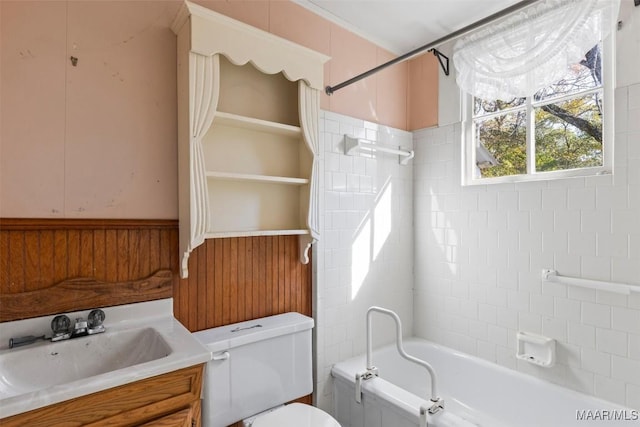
(536, 349)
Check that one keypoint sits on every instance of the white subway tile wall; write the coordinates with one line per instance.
(365, 254)
(479, 252)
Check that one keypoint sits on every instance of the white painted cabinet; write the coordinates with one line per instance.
(248, 105)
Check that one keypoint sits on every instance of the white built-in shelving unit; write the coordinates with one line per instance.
(248, 105)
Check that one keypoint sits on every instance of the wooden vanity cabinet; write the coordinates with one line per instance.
(188, 417)
(169, 400)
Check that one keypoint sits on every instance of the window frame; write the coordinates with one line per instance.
(608, 87)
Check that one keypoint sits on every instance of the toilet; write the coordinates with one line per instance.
(256, 367)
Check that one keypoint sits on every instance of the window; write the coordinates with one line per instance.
(562, 130)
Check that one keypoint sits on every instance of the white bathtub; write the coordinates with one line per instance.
(476, 393)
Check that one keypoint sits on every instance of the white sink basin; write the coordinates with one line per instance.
(141, 340)
(33, 368)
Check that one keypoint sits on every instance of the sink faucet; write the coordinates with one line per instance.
(62, 330)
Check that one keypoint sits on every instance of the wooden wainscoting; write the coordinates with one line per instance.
(242, 278)
(230, 280)
(36, 254)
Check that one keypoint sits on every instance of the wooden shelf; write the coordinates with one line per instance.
(254, 233)
(244, 122)
(232, 176)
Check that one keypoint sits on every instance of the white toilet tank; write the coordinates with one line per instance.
(257, 365)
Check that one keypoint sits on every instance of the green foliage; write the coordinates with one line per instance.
(567, 136)
(504, 137)
(561, 145)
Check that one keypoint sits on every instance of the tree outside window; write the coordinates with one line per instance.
(559, 128)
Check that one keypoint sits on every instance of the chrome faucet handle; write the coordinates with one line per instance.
(61, 327)
(95, 319)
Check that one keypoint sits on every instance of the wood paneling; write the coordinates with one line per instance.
(242, 278)
(230, 280)
(35, 254)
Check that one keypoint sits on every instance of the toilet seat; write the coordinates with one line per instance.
(296, 415)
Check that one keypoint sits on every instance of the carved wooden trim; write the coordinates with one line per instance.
(84, 293)
(36, 253)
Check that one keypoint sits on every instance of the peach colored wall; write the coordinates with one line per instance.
(380, 98)
(98, 140)
(32, 60)
(422, 99)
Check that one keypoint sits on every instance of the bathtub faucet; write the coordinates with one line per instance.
(435, 404)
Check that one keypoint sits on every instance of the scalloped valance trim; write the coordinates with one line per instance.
(213, 33)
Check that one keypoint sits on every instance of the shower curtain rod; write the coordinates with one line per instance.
(329, 90)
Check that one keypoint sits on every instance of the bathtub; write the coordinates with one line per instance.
(476, 393)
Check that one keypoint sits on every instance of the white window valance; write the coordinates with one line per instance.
(531, 49)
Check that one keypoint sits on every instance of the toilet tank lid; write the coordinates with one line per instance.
(238, 334)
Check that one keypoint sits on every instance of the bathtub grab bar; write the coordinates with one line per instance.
(602, 285)
(437, 403)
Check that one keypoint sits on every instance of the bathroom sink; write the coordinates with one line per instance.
(42, 366)
(142, 340)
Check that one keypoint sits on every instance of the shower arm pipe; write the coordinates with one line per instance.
(329, 90)
(370, 367)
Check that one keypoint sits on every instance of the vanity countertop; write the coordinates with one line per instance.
(34, 375)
